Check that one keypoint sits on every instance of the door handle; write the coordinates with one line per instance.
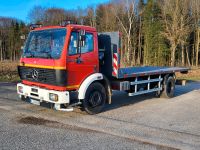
(79, 60)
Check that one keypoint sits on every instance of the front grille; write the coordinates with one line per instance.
(40, 75)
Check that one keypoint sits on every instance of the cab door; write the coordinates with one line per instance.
(81, 61)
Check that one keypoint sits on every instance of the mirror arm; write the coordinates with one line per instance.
(79, 50)
(81, 42)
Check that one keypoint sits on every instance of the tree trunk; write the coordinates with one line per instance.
(133, 57)
(139, 44)
(197, 47)
(146, 59)
(188, 59)
(1, 48)
(129, 50)
(173, 50)
(182, 55)
(193, 50)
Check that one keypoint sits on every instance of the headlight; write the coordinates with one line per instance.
(53, 97)
(20, 89)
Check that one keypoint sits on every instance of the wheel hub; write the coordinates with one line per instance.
(95, 99)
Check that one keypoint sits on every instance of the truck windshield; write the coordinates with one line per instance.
(45, 43)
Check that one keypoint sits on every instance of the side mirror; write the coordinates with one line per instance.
(82, 38)
(82, 32)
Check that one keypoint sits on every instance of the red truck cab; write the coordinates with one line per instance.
(68, 73)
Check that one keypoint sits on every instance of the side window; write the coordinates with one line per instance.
(73, 46)
(89, 43)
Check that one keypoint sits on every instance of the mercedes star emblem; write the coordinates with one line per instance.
(35, 74)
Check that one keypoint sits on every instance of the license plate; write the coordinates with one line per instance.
(35, 102)
(34, 90)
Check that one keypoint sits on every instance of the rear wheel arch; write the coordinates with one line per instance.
(165, 76)
(106, 83)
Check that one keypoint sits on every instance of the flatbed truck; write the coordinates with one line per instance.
(73, 65)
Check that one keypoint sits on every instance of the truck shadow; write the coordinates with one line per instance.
(120, 99)
(190, 86)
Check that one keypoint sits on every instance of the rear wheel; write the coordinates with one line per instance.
(95, 98)
(169, 87)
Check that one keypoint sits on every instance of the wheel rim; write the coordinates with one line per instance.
(95, 99)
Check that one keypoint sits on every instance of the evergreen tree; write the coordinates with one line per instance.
(154, 44)
(141, 6)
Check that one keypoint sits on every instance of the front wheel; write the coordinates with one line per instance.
(95, 98)
(22, 97)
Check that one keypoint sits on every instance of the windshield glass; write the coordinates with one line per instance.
(45, 43)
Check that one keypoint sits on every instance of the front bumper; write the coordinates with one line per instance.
(38, 95)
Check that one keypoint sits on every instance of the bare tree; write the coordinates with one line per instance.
(36, 14)
(90, 17)
(195, 7)
(53, 16)
(126, 21)
(140, 35)
(176, 18)
(105, 19)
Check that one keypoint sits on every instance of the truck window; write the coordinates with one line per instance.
(73, 46)
(89, 44)
(45, 43)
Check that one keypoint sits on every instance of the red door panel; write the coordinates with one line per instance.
(77, 71)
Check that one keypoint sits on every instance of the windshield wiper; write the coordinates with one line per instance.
(46, 54)
(49, 55)
(42, 55)
(29, 55)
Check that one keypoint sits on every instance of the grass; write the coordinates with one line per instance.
(189, 78)
(193, 75)
(8, 71)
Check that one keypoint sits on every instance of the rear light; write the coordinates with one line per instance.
(20, 89)
(53, 97)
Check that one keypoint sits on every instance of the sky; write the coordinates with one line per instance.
(19, 9)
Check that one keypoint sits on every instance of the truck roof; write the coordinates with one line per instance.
(67, 26)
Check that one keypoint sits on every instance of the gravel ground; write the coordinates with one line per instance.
(16, 135)
(141, 122)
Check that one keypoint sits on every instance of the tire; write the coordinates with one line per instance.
(22, 98)
(169, 87)
(95, 98)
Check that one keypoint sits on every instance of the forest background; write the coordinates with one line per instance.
(154, 32)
